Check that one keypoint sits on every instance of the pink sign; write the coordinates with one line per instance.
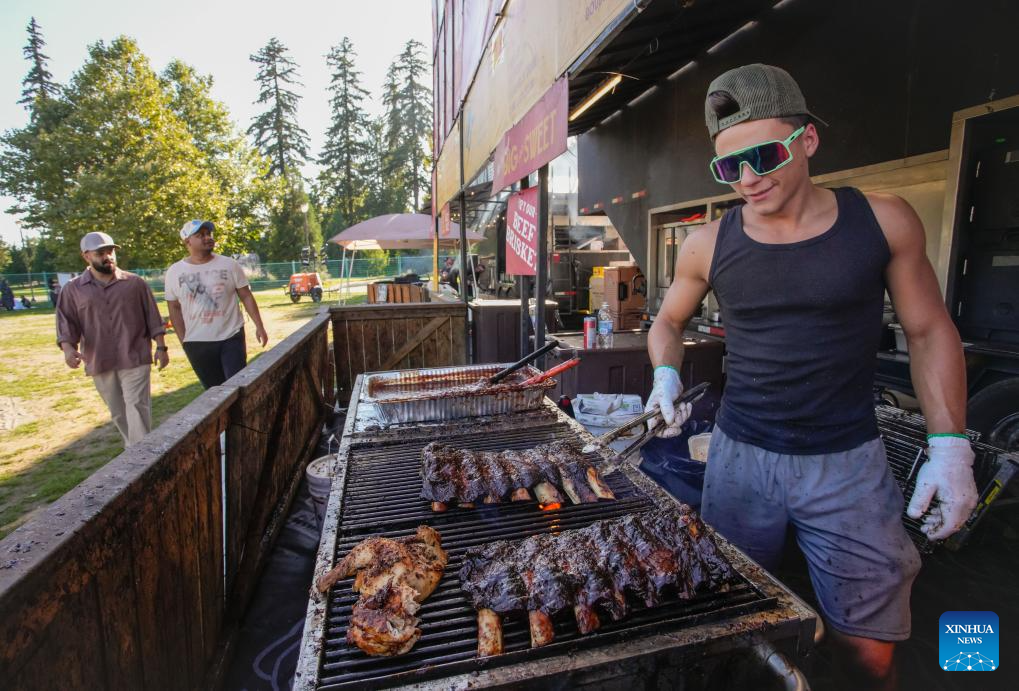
(539, 137)
(445, 222)
(522, 233)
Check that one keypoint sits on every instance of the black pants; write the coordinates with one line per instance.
(216, 361)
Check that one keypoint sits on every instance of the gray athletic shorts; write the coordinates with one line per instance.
(847, 513)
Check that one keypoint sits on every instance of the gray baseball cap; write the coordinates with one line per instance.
(761, 91)
(94, 241)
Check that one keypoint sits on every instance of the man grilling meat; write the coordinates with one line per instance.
(800, 274)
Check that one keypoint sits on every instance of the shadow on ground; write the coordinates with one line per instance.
(56, 473)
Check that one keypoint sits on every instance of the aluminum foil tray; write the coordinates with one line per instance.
(451, 393)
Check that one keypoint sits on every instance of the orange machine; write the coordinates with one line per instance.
(626, 292)
(304, 284)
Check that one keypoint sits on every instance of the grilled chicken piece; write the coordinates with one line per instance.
(393, 577)
(590, 570)
(449, 474)
(384, 623)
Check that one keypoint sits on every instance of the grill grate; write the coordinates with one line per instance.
(905, 438)
(382, 496)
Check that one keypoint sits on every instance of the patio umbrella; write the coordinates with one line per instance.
(396, 232)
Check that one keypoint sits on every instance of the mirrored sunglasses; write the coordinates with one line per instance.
(763, 158)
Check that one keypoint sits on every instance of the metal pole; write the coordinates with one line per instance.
(343, 262)
(541, 280)
(463, 244)
(524, 288)
(435, 253)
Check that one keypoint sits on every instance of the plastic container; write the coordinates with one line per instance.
(698, 445)
(319, 474)
(605, 324)
(667, 462)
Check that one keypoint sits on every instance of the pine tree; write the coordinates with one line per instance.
(389, 142)
(277, 135)
(408, 133)
(38, 83)
(416, 106)
(342, 180)
(383, 194)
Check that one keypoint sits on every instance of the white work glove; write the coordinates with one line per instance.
(947, 476)
(666, 390)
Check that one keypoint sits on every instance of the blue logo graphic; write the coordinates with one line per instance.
(968, 641)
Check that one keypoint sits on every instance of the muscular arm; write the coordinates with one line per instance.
(936, 361)
(177, 319)
(684, 297)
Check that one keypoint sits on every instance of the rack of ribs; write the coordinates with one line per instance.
(449, 474)
(394, 576)
(591, 571)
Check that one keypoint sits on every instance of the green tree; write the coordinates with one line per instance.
(22, 257)
(5, 256)
(408, 126)
(114, 153)
(38, 83)
(384, 190)
(292, 227)
(342, 180)
(416, 107)
(390, 149)
(276, 132)
(237, 168)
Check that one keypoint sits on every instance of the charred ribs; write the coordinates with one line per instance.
(394, 576)
(591, 570)
(449, 473)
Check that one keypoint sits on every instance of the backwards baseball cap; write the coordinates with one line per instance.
(761, 92)
(192, 227)
(95, 241)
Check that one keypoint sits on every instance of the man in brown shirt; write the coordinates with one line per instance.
(112, 315)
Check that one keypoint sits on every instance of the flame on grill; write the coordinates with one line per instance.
(550, 507)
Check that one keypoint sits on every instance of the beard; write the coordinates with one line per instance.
(104, 266)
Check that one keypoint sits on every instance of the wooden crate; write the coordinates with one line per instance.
(396, 293)
(372, 338)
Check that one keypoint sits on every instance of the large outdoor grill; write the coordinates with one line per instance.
(377, 492)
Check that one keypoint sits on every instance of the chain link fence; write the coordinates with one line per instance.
(261, 275)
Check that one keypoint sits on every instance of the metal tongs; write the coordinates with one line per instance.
(602, 443)
(502, 374)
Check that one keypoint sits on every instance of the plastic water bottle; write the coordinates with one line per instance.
(604, 339)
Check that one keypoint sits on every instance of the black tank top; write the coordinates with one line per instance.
(802, 329)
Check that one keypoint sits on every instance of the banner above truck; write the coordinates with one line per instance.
(534, 141)
(532, 45)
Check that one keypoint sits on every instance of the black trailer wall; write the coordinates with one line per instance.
(885, 74)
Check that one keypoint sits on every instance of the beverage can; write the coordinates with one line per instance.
(590, 332)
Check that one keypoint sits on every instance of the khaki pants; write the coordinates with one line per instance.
(128, 396)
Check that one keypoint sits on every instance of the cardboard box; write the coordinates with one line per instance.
(597, 287)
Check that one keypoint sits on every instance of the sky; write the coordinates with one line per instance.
(216, 38)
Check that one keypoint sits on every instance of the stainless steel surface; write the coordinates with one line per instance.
(450, 393)
(790, 624)
(789, 674)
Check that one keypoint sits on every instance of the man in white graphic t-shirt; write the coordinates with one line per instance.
(202, 291)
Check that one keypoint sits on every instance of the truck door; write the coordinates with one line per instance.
(987, 283)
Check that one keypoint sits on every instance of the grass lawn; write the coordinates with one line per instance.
(55, 430)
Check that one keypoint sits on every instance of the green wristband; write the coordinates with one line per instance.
(947, 434)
